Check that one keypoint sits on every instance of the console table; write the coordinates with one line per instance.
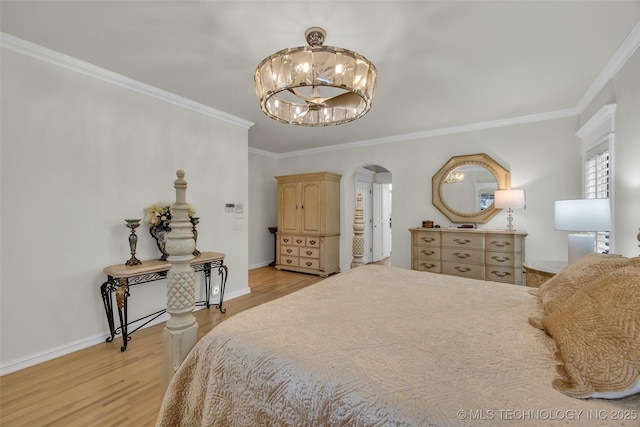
(121, 277)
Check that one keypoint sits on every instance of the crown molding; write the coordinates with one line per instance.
(531, 118)
(36, 51)
(617, 61)
(598, 127)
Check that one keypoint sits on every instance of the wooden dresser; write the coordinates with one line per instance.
(308, 238)
(476, 253)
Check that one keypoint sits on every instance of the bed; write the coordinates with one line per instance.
(382, 346)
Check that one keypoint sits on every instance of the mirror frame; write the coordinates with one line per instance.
(503, 178)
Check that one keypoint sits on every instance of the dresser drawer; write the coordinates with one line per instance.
(463, 240)
(289, 260)
(463, 255)
(426, 265)
(503, 274)
(310, 263)
(427, 238)
(289, 250)
(426, 252)
(503, 242)
(464, 270)
(506, 259)
(310, 252)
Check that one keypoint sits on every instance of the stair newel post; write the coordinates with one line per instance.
(181, 330)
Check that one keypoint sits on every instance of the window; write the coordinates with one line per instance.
(597, 137)
(597, 182)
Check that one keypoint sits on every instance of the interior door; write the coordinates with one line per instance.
(376, 220)
(364, 188)
(386, 220)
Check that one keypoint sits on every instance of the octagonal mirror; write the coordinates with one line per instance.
(463, 189)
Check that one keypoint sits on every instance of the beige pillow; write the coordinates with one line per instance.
(554, 292)
(597, 333)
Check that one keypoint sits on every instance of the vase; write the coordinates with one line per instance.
(160, 235)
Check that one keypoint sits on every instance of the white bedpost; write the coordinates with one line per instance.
(358, 234)
(181, 330)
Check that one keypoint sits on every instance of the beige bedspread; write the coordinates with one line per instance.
(383, 346)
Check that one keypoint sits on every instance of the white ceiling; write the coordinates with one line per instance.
(441, 64)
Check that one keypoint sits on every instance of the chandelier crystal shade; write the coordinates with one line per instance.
(315, 85)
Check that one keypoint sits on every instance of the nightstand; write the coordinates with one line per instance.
(538, 272)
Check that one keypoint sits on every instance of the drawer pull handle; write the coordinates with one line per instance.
(426, 252)
(500, 244)
(462, 255)
(462, 241)
(289, 251)
(501, 273)
(312, 242)
(298, 240)
(428, 239)
(501, 258)
(309, 252)
(286, 240)
(309, 263)
(427, 265)
(289, 261)
(462, 269)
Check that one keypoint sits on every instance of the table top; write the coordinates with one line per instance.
(554, 267)
(154, 265)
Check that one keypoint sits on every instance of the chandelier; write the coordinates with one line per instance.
(454, 177)
(315, 85)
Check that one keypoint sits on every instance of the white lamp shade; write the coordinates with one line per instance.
(583, 215)
(513, 198)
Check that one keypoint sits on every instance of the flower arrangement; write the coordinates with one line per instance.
(159, 215)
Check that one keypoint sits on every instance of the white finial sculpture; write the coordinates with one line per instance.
(358, 234)
(181, 330)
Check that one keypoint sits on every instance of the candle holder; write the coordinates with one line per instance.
(133, 241)
(194, 221)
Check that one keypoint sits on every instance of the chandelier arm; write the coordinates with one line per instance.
(300, 94)
(344, 100)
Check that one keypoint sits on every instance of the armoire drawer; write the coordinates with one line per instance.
(291, 261)
(289, 250)
(310, 252)
(309, 263)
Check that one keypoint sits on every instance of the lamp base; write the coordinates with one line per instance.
(581, 244)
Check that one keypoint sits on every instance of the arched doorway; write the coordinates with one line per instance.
(374, 182)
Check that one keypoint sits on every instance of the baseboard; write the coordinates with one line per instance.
(259, 265)
(63, 350)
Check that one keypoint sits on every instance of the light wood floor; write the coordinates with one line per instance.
(101, 386)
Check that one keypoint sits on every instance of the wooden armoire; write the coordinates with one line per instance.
(308, 238)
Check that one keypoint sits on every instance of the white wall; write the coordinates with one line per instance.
(626, 88)
(263, 209)
(79, 155)
(543, 157)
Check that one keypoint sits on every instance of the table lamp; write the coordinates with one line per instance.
(583, 217)
(510, 200)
